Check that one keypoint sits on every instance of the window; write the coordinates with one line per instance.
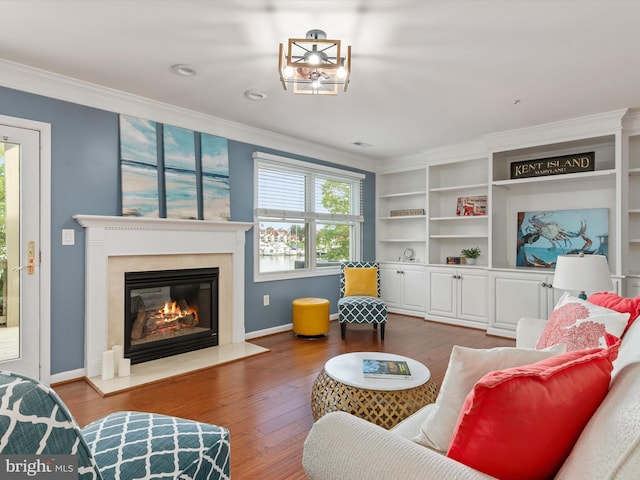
(308, 217)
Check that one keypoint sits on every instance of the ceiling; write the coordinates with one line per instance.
(425, 73)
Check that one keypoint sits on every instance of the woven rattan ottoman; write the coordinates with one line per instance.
(342, 386)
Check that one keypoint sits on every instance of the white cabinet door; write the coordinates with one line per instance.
(472, 296)
(459, 296)
(391, 285)
(633, 287)
(403, 287)
(442, 292)
(414, 289)
(517, 295)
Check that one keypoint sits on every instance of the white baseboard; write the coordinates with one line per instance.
(67, 376)
(279, 329)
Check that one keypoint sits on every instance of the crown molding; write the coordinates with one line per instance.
(472, 150)
(41, 82)
(632, 121)
(399, 164)
(601, 124)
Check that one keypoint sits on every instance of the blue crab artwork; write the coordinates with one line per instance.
(543, 235)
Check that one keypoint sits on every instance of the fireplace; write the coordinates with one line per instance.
(168, 312)
(117, 245)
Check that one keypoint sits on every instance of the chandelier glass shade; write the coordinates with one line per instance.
(314, 65)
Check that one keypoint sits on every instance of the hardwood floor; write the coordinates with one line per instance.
(265, 400)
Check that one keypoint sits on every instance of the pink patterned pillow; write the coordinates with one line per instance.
(581, 325)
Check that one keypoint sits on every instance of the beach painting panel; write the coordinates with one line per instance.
(215, 178)
(180, 173)
(543, 235)
(138, 167)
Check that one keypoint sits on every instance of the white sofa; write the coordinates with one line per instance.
(341, 446)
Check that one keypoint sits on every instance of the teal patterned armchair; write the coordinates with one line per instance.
(359, 300)
(120, 446)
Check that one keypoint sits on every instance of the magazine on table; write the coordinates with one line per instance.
(386, 369)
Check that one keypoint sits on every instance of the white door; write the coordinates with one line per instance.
(442, 292)
(390, 285)
(414, 288)
(20, 250)
(516, 295)
(472, 295)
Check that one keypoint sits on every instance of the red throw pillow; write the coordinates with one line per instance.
(620, 304)
(521, 423)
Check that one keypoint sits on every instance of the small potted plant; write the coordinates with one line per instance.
(470, 254)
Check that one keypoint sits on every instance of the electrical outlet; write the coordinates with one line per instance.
(265, 300)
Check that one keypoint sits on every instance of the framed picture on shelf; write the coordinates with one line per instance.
(471, 206)
(543, 235)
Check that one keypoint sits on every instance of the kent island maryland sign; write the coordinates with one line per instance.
(581, 162)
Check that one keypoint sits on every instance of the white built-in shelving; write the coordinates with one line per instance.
(401, 190)
(449, 232)
(632, 184)
(483, 169)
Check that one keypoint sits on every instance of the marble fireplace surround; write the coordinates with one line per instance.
(114, 245)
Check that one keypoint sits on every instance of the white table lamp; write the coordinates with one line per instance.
(582, 273)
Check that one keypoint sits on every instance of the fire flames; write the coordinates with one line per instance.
(174, 317)
(173, 310)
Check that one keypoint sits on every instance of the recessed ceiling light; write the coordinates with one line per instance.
(184, 70)
(255, 95)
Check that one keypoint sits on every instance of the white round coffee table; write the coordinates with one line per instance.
(342, 386)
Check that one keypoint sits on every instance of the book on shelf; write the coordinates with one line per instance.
(386, 369)
(471, 206)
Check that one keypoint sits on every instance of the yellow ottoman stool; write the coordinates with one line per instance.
(310, 316)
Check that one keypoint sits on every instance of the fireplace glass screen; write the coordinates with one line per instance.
(170, 312)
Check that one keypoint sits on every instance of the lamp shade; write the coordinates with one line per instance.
(584, 273)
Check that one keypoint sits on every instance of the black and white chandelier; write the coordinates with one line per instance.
(314, 65)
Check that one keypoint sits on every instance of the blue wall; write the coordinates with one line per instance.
(282, 292)
(85, 180)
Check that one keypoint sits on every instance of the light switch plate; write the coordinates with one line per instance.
(68, 236)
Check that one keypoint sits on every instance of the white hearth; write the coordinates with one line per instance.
(118, 244)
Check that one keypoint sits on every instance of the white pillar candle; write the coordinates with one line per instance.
(108, 365)
(118, 354)
(124, 367)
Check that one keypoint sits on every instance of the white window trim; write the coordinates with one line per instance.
(258, 157)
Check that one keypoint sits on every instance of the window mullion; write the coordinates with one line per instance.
(309, 204)
(313, 246)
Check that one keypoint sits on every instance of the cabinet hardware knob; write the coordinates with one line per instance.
(549, 285)
(544, 284)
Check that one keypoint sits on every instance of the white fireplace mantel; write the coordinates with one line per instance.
(109, 236)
